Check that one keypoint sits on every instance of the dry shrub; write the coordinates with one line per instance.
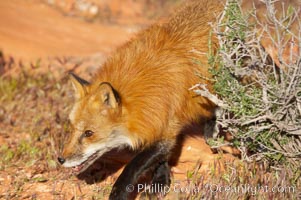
(259, 93)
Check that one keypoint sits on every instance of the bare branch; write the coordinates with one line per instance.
(204, 92)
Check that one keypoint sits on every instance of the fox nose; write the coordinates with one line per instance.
(61, 160)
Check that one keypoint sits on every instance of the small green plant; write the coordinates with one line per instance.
(6, 153)
(7, 88)
(26, 148)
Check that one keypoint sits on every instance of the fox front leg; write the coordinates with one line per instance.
(154, 157)
(162, 174)
(160, 180)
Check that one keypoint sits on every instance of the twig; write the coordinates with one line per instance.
(204, 92)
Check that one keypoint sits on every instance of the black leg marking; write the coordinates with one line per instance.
(162, 175)
(149, 158)
(161, 180)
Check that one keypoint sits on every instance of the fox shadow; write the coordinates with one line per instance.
(107, 165)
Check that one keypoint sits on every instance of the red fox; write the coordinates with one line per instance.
(140, 97)
(141, 94)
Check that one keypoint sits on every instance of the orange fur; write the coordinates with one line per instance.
(154, 71)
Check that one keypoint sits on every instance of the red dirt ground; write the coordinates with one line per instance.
(30, 30)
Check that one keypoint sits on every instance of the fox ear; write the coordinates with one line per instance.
(108, 95)
(79, 85)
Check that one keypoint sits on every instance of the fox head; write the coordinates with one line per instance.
(95, 123)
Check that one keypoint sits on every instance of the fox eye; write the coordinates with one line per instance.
(88, 133)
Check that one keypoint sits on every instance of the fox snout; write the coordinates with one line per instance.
(61, 160)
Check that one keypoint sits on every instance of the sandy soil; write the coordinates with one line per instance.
(30, 30)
